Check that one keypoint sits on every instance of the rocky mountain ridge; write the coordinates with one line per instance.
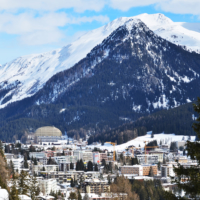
(25, 76)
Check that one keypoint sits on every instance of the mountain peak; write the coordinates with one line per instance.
(16, 77)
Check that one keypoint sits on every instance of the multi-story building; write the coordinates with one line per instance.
(17, 161)
(62, 178)
(79, 176)
(47, 168)
(157, 153)
(147, 168)
(87, 156)
(132, 169)
(95, 186)
(96, 157)
(147, 159)
(182, 159)
(103, 156)
(47, 185)
(167, 170)
(92, 175)
(37, 155)
(84, 155)
(139, 170)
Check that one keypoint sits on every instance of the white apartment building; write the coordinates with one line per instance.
(48, 168)
(17, 161)
(157, 153)
(167, 170)
(60, 159)
(84, 155)
(38, 155)
(147, 159)
(47, 185)
(87, 156)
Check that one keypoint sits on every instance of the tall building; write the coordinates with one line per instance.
(167, 170)
(47, 185)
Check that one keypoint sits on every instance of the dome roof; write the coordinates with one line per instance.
(48, 131)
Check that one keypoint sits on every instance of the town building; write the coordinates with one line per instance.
(167, 170)
(138, 170)
(47, 185)
(147, 159)
(96, 186)
(48, 134)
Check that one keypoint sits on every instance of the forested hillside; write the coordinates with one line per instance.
(128, 77)
(177, 120)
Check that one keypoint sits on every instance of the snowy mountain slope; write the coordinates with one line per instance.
(180, 33)
(132, 73)
(24, 76)
(139, 141)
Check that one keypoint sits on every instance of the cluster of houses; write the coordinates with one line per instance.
(53, 158)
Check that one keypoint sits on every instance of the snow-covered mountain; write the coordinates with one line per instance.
(26, 75)
(132, 73)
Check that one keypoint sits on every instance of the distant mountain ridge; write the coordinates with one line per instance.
(25, 76)
(132, 73)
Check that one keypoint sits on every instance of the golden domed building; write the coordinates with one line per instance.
(48, 134)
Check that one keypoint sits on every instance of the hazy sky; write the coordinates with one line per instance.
(35, 26)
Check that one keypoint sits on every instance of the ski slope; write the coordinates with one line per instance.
(139, 141)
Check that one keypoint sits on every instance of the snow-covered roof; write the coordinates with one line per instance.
(4, 194)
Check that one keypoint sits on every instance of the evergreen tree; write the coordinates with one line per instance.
(11, 167)
(35, 161)
(23, 183)
(79, 195)
(173, 146)
(184, 152)
(72, 196)
(71, 165)
(72, 182)
(86, 197)
(25, 163)
(152, 135)
(151, 174)
(38, 191)
(192, 173)
(109, 179)
(33, 187)
(96, 168)
(89, 166)
(14, 191)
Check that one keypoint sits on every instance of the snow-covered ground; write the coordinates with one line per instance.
(34, 71)
(139, 141)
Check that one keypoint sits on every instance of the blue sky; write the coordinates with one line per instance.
(38, 26)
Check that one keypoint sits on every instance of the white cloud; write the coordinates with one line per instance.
(42, 29)
(173, 6)
(180, 6)
(125, 5)
(52, 5)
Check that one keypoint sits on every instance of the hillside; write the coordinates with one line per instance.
(177, 120)
(25, 76)
(131, 74)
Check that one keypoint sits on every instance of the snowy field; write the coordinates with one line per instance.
(165, 138)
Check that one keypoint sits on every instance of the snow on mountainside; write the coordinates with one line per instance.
(139, 141)
(24, 76)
